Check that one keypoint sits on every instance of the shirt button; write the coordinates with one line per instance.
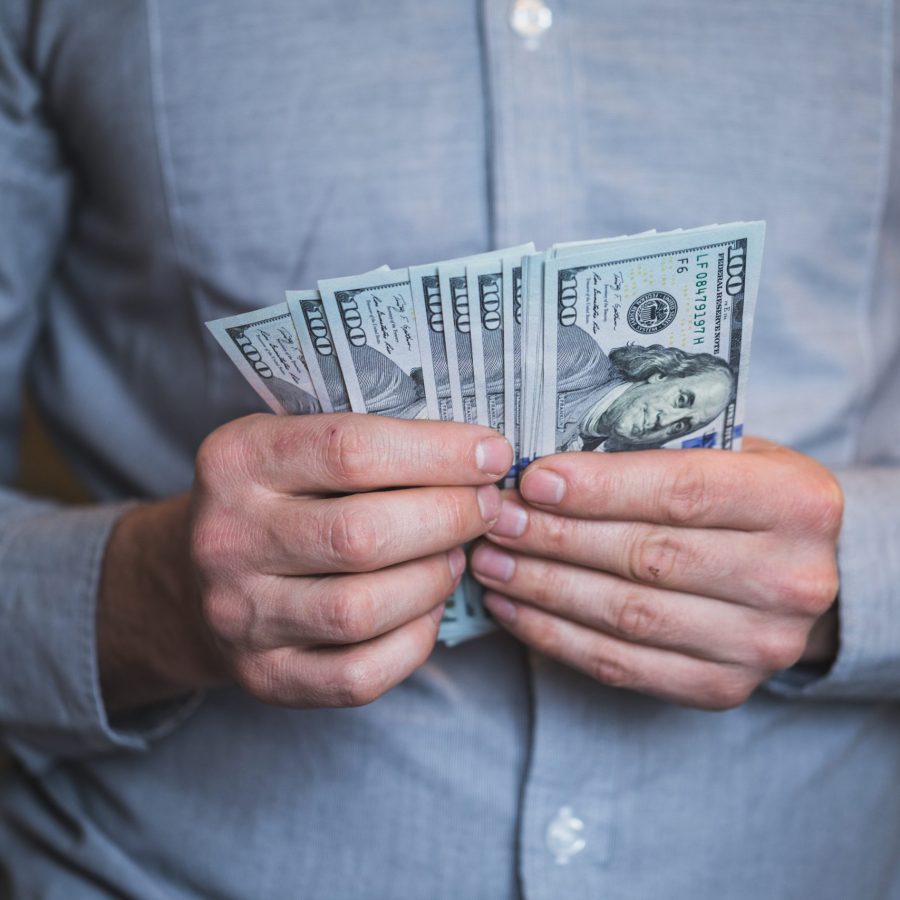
(564, 838)
(529, 19)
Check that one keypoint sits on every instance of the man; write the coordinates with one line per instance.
(182, 663)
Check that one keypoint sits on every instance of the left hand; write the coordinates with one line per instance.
(691, 575)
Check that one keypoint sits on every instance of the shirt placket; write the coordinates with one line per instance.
(566, 817)
(531, 122)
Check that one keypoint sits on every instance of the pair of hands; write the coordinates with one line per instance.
(326, 545)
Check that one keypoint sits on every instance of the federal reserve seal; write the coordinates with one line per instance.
(652, 312)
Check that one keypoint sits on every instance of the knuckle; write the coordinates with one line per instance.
(829, 507)
(815, 503)
(653, 555)
(727, 692)
(348, 452)
(256, 674)
(206, 544)
(686, 497)
(611, 670)
(548, 584)
(222, 458)
(543, 633)
(229, 618)
(460, 510)
(777, 648)
(289, 437)
(359, 683)
(555, 534)
(353, 538)
(210, 458)
(819, 590)
(214, 541)
(807, 593)
(635, 617)
(349, 613)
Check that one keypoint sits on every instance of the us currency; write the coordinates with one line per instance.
(458, 340)
(426, 295)
(532, 362)
(430, 323)
(484, 284)
(314, 334)
(372, 324)
(264, 347)
(646, 343)
(610, 344)
(512, 361)
(484, 289)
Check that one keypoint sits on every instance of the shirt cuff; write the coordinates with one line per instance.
(51, 704)
(867, 666)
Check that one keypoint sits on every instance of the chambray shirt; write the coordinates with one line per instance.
(165, 162)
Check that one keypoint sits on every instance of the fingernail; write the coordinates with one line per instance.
(543, 486)
(456, 559)
(438, 613)
(512, 521)
(500, 607)
(493, 456)
(489, 502)
(493, 563)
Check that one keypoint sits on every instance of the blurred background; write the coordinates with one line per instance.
(42, 469)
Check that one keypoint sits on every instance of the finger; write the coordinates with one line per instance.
(713, 563)
(692, 625)
(340, 676)
(350, 609)
(660, 673)
(365, 532)
(754, 490)
(343, 453)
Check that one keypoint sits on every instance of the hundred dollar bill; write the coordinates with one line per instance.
(373, 329)
(646, 342)
(318, 347)
(491, 338)
(458, 340)
(264, 347)
(430, 322)
(426, 295)
(532, 357)
(512, 361)
(316, 342)
(485, 289)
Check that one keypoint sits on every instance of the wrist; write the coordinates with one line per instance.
(152, 642)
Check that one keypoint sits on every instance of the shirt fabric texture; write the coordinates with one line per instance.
(164, 163)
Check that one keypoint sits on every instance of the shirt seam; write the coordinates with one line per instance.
(178, 233)
(864, 329)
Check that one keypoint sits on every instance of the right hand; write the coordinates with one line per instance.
(320, 585)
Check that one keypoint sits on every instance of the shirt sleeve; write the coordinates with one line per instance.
(867, 666)
(50, 556)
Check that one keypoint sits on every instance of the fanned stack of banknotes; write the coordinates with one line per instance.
(624, 343)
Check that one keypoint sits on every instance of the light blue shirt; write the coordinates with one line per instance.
(164, 162)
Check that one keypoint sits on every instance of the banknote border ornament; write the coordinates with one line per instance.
(646, 301)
